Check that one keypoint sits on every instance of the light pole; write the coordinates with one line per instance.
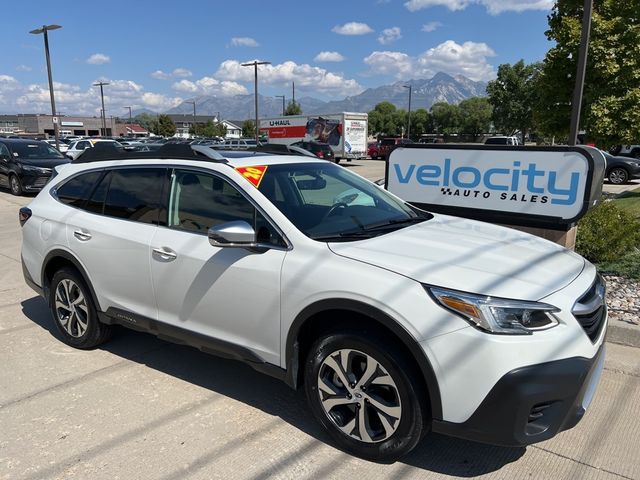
(104, 119)
(130, 119)
(255, 64)
(38, 31)
(409, 112)
(193, 102)
(282, 97)
(576, 105)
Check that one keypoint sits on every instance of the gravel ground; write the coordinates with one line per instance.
(623, 299)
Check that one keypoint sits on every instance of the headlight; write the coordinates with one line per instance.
(32, 169)
(497, 315)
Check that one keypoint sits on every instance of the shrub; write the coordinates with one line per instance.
(607, 233)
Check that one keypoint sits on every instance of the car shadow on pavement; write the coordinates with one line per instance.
(233, 379)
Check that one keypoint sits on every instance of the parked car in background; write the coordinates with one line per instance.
(373, 150)
(76, 148)
(388, 144)
(626, 151)
(63, 146)
(238, 143)
(27, 165)
(621, 169)
(502, 140)
(320, 150)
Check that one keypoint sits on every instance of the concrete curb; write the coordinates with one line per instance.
(623, 333)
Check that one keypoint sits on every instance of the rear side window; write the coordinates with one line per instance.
(75, 191)
(134, 194)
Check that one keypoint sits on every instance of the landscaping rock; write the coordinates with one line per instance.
(623, 299)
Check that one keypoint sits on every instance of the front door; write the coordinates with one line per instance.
(230, 294)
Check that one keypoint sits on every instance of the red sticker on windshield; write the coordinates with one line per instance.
(253, 174)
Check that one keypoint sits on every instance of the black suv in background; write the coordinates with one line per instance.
(27, 165)
(320, 150)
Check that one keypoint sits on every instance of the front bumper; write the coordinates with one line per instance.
(34, 182)
(532, 404)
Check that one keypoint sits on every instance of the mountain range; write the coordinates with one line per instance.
(425, 92)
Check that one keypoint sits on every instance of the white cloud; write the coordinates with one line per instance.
(244, 42)
(494, 7)
(352, 28)
(390, 35)
(23, 68)
(306, 77)
(210, 86)
(328, 57)
(431, 27)
(98, 59)
(177, 73)
(73, 99)
(469, 59)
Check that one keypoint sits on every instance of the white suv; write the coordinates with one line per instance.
(394, 320)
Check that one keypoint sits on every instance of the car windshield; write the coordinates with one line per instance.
(37, 150)
(329, 203)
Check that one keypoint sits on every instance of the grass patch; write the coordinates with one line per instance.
(627, 266)
(629, 202)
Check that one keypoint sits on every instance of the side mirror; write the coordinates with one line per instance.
(238, 234)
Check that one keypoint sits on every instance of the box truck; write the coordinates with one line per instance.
(345, 132)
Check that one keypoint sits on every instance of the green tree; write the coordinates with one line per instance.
(611, 101)
(419, 122)
(144, 120)
(384, 120)
(445, 118)
(475, 115)
(164, 126)
(249, 129)
(513, 95)
(293, 108)
(209, 129)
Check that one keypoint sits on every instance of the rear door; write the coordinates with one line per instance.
(5, 159)
(110, 233)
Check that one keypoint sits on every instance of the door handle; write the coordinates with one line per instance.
(82, 235)
(165, 253)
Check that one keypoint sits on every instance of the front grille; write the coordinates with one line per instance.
(40, 181)
(590, 310)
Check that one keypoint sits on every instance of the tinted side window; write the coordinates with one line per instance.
(75, 191)
(4, 151)
(95, 204)
(134, 194)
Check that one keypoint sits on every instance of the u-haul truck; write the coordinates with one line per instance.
(345, 132)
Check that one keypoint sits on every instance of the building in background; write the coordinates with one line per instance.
(38, 124)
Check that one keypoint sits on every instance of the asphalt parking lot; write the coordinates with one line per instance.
(141, 408)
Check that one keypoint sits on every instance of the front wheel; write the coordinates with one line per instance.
(360, 390)
(15, 185)
(618, 176)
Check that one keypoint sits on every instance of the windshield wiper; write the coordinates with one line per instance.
(394, 223)
(339, 237)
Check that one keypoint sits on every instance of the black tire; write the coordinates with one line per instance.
(85, 337)
(410, 398)
(15, 185)
(336, 160)
(618, 176)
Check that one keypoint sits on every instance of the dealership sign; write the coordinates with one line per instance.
(550, 187)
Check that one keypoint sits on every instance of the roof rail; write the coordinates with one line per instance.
(103, 151)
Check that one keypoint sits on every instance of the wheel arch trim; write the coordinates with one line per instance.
(292, 352)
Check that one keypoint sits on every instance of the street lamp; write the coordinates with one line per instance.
(130, 119)
(576, 105)
(193, 102)
(44, 30)
(282, 97)
(104, 119)
(255, 64)
(409, 112)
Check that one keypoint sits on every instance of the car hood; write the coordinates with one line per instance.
(43, 162)
(470, 256)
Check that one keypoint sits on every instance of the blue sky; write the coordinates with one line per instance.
(157, 54)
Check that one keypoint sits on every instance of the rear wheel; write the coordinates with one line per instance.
(618, 176)
(360, 391)
(15, 184)
(74, 311)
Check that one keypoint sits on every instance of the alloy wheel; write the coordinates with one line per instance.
(15, 185)
(617, 176)
(359, 396)
(71, 308)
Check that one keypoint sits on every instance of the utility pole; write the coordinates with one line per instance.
(54, 119)
(576, 105)
(282, 97)
(193, 102)
(255, 64)
(293, 88)
(130, 119)
(409, 112)
(104, 119)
